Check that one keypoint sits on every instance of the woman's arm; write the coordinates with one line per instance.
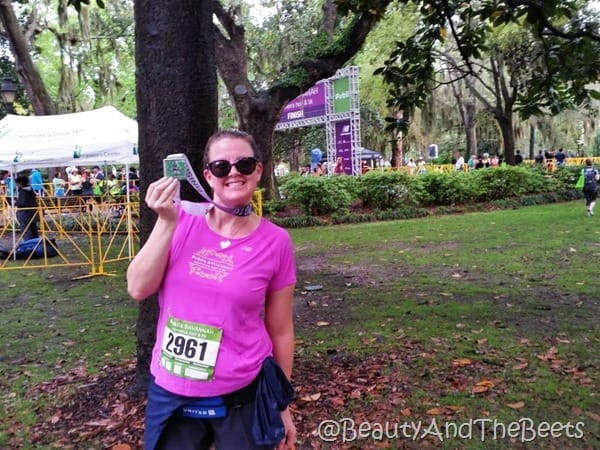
(145, 273)
(280, 326)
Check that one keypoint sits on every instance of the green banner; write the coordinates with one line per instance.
(341, 95)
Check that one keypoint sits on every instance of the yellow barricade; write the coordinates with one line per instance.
(77, 231)
(74, 231)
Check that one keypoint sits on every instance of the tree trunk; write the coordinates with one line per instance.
(470, 129)
(260, 123)
(294, 157)
(176, 91)
(508, 138)
(531, 140)
(27, 71)
(398, 149)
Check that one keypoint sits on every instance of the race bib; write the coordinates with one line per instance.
(190, 349)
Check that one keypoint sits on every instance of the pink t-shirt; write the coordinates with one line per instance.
(220, 285)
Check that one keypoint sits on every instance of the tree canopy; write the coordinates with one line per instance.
(542, 74)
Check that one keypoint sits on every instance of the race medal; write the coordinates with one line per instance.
(190, 349)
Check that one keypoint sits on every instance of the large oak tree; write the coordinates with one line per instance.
(562, 63)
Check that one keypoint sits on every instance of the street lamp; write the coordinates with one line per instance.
(9, 92)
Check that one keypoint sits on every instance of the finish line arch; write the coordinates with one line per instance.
(334, 102)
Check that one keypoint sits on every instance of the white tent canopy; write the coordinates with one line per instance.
(101, 136)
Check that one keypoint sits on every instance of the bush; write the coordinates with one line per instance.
(384, 190)
(398, 195)
(446, 188)
(319, 196)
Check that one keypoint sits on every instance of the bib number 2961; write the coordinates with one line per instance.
(190, 349)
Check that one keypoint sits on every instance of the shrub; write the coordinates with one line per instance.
(297, 221)
(384, 190)
(318, 195)
(446, 188)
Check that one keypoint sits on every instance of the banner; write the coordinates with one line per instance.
(343, 144)
(310, 104)
(341, 95)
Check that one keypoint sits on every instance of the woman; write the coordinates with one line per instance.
(590, 186)
(225, 285)
(74, 182)
(339, 166)
(58, 185)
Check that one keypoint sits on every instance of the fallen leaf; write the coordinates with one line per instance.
(444, 410)
(337, 401)
(595, 417)
(516, 405)
(549, 355)
(479, 389)
(311, 398)
(482, 386)
(461, 362)
(405, 412)
(98, 423)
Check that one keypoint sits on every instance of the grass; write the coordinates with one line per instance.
(489, 315)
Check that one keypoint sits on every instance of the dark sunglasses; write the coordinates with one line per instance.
(221, 167)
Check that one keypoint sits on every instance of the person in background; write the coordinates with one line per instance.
(225, 288)
(539, 158)
(98, 183)
(58, 185)
(305, 170)
(339, 166)
(518, 157)
(560, 157)
(36, 181)
(318, 170)
(471, 162)
(460, 162)
(479, 163)
(10, 187)
(421, 166)
(26, 208)
(590, 186)
(134, 177)
(316, 155)
(74, 182)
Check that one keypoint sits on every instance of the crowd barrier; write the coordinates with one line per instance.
(549, 165)
(88, 233)
(77, 232)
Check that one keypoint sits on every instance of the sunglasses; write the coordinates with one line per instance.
(221, 167)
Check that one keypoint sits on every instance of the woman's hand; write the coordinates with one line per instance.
(160, 196)
(289, 440)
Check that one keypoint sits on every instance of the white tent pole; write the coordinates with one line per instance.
(13, 214)
(129, 218)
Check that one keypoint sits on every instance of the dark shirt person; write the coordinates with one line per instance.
(518, 157)
(560, 157)
(26, 208)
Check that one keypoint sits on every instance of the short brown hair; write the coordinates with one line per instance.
(231, 133)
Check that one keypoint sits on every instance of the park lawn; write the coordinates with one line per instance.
(466, 325)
